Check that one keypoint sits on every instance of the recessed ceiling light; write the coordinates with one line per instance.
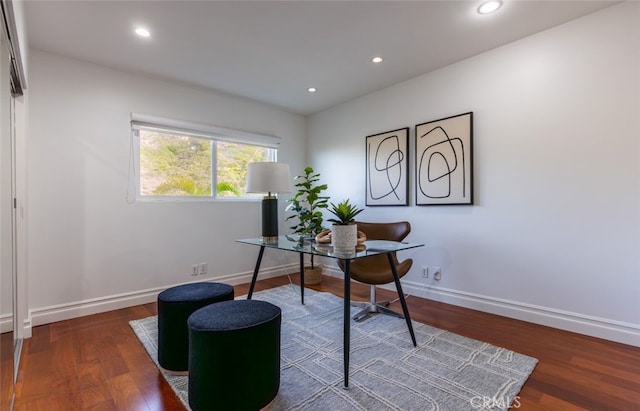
(377, 59)
(142, 32)
(312, 89)
(489, 6)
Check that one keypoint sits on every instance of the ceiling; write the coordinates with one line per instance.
(272, 51)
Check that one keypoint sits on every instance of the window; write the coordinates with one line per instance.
(182, 160)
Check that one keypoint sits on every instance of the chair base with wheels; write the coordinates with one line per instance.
(373, 307)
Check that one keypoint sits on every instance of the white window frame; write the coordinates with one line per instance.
(203, 131)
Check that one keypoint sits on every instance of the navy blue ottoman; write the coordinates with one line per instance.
(234, 355)
(175, 305)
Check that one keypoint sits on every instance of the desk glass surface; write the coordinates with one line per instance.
(370, 247)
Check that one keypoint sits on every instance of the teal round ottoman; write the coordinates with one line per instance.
(234, 355)
(175, 305)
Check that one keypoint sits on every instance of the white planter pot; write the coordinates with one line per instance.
(344, 237)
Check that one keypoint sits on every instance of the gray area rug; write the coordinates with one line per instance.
(444, 372)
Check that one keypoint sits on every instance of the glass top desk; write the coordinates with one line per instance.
(371, 247)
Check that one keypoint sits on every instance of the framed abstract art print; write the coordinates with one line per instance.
(387, 180)
(444, 161)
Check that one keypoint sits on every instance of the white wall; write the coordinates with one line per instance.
(6, 193)
(554, 235)
(89, 250)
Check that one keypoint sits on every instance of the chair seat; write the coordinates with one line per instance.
(376, 269)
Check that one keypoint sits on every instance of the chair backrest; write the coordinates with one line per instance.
(375, 269)
(394, 231)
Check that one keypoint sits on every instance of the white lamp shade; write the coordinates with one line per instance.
(268, 177)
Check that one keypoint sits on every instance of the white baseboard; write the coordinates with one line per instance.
(607, 329)
(622, 332)
(61, 312)
(6, 323)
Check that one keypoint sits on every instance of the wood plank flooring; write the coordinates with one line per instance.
(6, 370)
(97, 363)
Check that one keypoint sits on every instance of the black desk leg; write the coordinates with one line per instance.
(347, 320)
(255, 273)
(405, 310)
(302, 278)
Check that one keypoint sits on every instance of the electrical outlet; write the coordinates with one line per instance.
(194, 269)
(437, 273)
(203, 268)
(425, 271)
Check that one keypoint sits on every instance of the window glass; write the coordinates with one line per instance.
(232, 160)
(174, 164)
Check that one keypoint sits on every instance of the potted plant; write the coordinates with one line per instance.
(344, 233)
(307, 204)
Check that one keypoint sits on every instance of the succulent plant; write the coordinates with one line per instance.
(345, 212)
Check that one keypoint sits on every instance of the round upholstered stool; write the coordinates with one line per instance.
(234, 355)
(175, 305)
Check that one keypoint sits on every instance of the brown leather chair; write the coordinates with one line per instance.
(375, 270)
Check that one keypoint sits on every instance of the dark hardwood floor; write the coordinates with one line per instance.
(6, 370)
(97, 363)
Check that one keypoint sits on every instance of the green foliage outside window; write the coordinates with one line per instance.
(178, 165)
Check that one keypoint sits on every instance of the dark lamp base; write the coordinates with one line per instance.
(269, 218)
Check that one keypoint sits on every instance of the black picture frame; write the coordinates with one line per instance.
(444, 161)
(387, 168)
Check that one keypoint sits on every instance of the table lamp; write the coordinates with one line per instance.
(270, 178)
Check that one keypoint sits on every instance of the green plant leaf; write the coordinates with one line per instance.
(345, 212)
(306, 202)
